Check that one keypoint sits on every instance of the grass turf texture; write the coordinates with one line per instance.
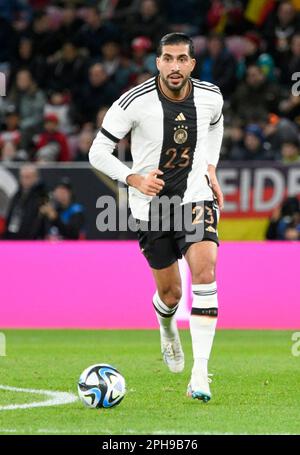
(255, 384)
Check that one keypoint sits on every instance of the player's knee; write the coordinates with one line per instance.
(171, 296)
(205, 275)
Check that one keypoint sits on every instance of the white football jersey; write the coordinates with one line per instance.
(179, 137)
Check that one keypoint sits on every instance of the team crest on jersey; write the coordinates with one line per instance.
(180, 134)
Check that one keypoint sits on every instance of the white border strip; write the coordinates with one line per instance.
(55, 398)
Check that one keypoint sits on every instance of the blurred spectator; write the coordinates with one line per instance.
(277, 131)
(15, 10)
(143, 59)
(233, 139)
(46, 42)
(85, 141)
(267, 65)
(186, 17)
(143, 77)
(70, 22)
(217, 65)
(289, 63)
(255, 97)
(95, 31)
(253, 55)
(110, 57)
(280, 26)
(120, 69)
(52, 144)
(25, 58)
(10, 138)
(65, 217)
(119, 10)
(252, 44)
(252, 147)
(285, 221)
(67, 68)
(100, 116)
(30, 102)
(9, 153)
(23, 221)
(97, 92)
(59, 104)
(148, 22)
(11, 128)
(290, 152)
(7, 40)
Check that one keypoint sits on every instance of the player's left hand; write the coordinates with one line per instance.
(215, 186)
(218, 193)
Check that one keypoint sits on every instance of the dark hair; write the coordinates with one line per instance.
(176, 38)
(217, 36)
(66, 183)
(290, 206)
(292, 141)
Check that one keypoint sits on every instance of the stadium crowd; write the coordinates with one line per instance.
(66, 61)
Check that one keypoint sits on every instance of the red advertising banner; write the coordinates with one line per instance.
(256, 189)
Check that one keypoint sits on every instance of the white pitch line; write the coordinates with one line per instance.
(56, 398)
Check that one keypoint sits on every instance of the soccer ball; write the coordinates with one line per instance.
(101, 386)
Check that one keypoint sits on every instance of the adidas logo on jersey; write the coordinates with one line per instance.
(180, 117)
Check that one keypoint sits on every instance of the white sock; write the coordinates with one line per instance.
(203, 321)
(166, 317)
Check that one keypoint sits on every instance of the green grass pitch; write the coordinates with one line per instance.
(255, 384)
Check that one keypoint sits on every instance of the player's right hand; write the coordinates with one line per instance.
(150, 184)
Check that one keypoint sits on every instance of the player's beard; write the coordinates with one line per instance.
(175, 88)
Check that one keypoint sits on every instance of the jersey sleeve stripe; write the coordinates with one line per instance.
(109, 135)
(149, 81)
(138, 95)
(139, 88)
(123, 102)
(217, 121)
(132, 95)
(205, 84)
(209, 89)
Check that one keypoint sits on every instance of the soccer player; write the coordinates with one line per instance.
(176, 126)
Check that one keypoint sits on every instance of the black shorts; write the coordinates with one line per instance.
(163, 247)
